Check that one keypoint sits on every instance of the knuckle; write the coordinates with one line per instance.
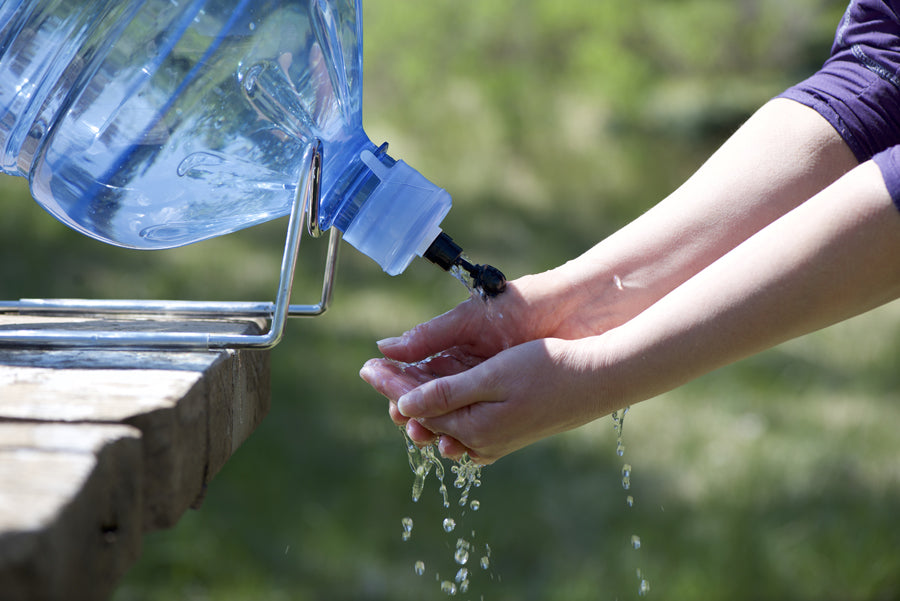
(442, 395)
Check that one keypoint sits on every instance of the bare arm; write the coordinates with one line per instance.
(783, 155)
(780, 158)
(833, 257)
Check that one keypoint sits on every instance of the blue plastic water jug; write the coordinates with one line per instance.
(154, 123)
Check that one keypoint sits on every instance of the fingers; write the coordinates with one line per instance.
(432, 337)
(444, 395)
(395, 381)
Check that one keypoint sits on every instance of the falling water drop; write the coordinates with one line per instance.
(644, 587)
(407, 524)
(419, 567)
(626, 476)
(486, 558)
(449, 524)
(635, 541)
(448, 587)
(462, 551)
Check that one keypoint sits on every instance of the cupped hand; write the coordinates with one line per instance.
(482, 342)
(491, 407)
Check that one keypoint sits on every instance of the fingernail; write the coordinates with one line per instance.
(389, 342)
(410, 404)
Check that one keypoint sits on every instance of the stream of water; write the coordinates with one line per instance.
(618, 418)
(425, 460)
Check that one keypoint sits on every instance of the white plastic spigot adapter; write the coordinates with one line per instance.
(400, 219)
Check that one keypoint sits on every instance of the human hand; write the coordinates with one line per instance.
(489, 408)
(532, 308)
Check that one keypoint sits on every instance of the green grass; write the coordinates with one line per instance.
(552, 124)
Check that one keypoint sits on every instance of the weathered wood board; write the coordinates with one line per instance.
(98, 446)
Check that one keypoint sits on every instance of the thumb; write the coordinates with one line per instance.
(443, 395)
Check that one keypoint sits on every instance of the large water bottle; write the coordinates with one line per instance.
(155, 123)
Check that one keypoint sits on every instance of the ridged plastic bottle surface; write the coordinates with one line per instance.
(153, 124)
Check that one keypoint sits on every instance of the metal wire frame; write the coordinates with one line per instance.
(306, 204)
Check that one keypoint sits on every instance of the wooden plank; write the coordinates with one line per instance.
(70, 509)
(192, 408)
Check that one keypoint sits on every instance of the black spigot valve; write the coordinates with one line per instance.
(445, 253)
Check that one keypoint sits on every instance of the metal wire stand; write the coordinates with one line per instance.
(306, 204)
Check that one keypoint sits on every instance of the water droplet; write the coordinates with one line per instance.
(485, 562)
(644, 587)
(626, 476)
(462, 551)
(629, 500)
(407, 524)
(252, 27)
(635, 541)
(475, 505)
(462, 574)
(449, 524)
(448, 587)
(419, 567)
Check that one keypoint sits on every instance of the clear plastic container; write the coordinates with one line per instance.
(153, 124)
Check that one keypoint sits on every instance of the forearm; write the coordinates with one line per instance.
(833, 257)
(782, 156)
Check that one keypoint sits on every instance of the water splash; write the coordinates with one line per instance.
(424, 461)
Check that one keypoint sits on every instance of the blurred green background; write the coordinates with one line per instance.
(552, 124)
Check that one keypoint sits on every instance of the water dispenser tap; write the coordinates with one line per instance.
(445, 253)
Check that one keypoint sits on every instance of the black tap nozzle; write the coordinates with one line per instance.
(445, 253)
(490, 279)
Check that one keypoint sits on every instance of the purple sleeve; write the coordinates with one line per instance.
(858, 88)
(889, 162)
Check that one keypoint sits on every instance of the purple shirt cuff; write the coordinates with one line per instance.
(889, 163)
(858, 88)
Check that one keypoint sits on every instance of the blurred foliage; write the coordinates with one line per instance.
(552, 124)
